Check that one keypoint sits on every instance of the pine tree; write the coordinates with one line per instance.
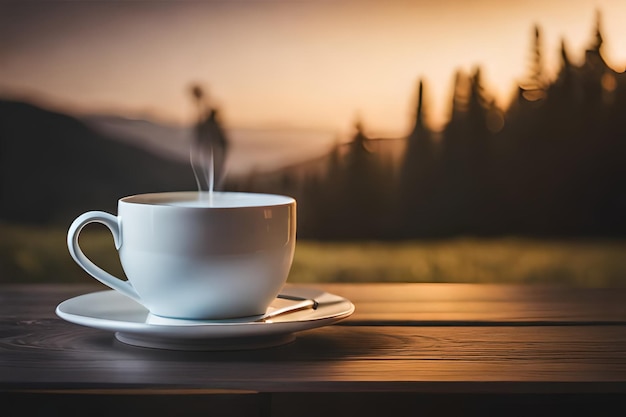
(418, 174)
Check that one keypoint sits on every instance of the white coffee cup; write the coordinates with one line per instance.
(191, 257)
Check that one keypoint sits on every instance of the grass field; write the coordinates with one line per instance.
(31, 254)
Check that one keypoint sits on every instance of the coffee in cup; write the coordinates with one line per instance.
(193, 255)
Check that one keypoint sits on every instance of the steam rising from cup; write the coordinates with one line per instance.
(207, 153)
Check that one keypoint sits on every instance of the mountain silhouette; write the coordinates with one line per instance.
(53, 167)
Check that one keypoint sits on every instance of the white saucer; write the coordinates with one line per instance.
(134, 325)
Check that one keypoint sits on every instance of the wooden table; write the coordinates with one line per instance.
(409, 349)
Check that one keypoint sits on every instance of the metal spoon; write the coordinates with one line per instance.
(302, 304)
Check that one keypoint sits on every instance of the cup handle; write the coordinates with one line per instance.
(92, 269)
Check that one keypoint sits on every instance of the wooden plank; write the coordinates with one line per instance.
(130, 404)
(51, 354)
(420, 304)
(471, 304)
(441, 405)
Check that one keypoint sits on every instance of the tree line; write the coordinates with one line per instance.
(553, 163)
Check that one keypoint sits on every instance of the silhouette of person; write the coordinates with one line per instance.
(210, 145)
(211, 141)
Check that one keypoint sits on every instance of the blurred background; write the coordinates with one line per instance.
(447, 141)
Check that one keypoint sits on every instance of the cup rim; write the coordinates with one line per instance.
(244, 199)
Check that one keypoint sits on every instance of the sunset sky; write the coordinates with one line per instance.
(306, 64)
